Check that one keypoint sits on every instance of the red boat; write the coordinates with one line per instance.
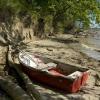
(56, 74)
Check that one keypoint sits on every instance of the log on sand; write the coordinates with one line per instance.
(13, 90)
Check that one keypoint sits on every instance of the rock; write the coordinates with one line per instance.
(97, 78)
(75, 97)
(3, 42)
(90, 97)
(49, 49)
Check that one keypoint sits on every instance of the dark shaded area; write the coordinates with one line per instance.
(19, 80)
(77, 98)
(48, 46)
(2, 44)
(44, 85)
(3, 95)
(66, 41)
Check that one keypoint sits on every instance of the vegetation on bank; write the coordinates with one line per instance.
(50, 16)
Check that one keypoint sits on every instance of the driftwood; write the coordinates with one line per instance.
(27, 82)
(13, 90)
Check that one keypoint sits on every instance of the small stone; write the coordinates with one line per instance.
(59, 57)
(49, 49)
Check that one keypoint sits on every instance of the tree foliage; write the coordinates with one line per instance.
(61, 11)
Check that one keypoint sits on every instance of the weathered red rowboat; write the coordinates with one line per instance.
(59, 75)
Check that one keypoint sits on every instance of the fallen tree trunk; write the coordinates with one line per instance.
(13, 90)
(27, 82)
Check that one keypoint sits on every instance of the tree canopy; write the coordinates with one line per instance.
(63, 11)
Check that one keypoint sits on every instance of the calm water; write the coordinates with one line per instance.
(92, 42)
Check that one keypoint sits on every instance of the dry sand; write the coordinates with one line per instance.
(66, 49)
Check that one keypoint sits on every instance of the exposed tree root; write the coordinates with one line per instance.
(27, 82)
(13, 90)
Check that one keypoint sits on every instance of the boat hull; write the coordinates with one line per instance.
(66, 77)
(57, 82)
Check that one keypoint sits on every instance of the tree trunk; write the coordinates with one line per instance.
(54, 25)
(40, 28)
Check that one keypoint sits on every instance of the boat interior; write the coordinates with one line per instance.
(56, 67)
(62, 68)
